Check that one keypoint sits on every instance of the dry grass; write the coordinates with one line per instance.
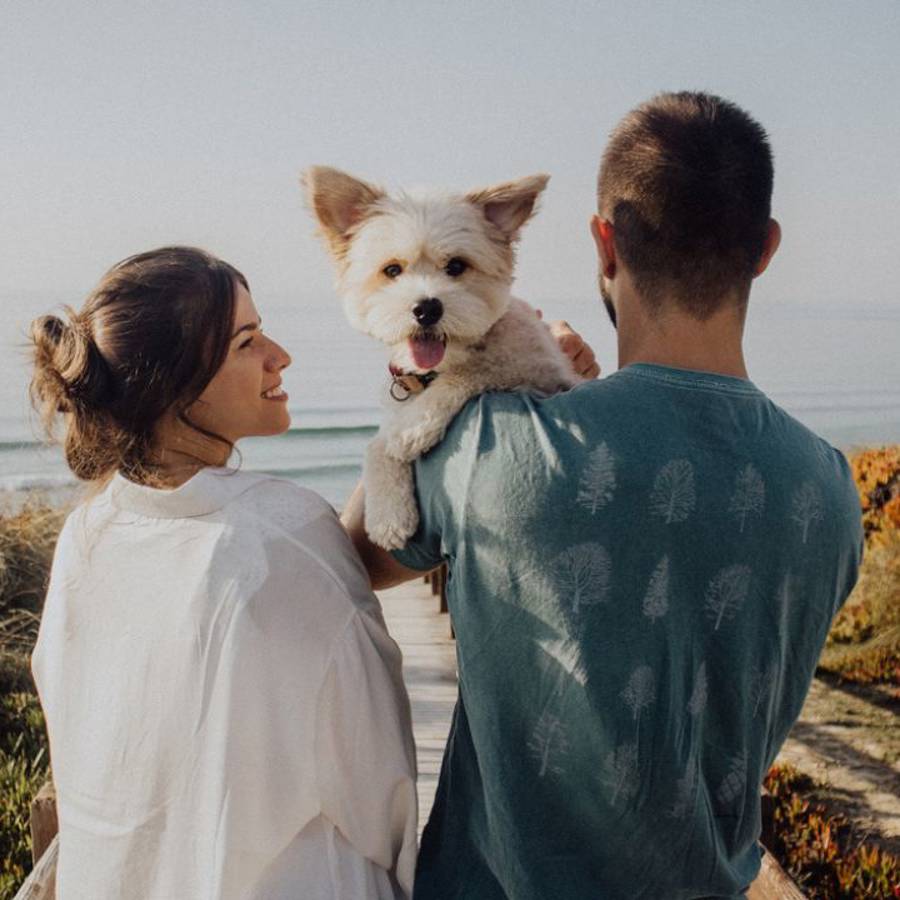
(864, 644)
(27, 539)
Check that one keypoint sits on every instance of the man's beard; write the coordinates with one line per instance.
(607, 300)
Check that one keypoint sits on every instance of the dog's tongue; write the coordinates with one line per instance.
(427, 351)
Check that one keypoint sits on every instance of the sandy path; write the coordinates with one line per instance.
(849, 738)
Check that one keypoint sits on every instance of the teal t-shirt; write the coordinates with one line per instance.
(643, 572)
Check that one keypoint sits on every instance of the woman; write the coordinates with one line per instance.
(225, 707)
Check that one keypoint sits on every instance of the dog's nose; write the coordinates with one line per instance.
(428, 311)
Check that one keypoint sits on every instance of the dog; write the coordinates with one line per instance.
(429, 275)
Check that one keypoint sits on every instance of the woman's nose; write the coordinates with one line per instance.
(278, 357)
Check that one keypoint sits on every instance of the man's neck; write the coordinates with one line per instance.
(682, 342)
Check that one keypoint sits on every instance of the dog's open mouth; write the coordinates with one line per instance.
(427, 350)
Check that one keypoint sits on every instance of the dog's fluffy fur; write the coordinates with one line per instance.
(391, 253)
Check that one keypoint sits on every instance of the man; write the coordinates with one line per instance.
(643, 570)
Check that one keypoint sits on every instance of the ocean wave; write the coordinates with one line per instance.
(37, 482)
(300, 472)
(331, 431)
(313, 431)
(48, 481)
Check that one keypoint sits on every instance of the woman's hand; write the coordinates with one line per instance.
(575, 347)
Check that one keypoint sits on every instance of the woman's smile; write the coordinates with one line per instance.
(276, 393)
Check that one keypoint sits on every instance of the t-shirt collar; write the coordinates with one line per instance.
(692, 378)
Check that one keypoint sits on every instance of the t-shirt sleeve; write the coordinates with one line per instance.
(854, 535)
(424, 550)
(365, 755)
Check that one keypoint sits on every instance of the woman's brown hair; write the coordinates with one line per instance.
(147, 341)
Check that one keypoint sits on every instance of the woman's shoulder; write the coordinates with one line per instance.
(277, 500)
(279, 512)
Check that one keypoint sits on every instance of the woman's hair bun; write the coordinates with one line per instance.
(68, 369)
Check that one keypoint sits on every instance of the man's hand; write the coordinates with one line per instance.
(575, 347)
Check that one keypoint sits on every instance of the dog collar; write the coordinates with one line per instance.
(405, 384)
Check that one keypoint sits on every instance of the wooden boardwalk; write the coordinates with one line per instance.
(413, 618)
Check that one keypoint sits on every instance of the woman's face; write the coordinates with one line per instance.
(245, 396)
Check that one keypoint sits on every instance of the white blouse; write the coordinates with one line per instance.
(226, 712)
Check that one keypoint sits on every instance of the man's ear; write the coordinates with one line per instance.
(604, 237)
(773, 240)
(510, 205)
(338, 201)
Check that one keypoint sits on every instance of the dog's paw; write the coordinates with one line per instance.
(393, 529)
(409, 444)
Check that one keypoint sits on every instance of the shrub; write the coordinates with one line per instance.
(877, 476)
(27, 540)
(23, 769)
(821, 851)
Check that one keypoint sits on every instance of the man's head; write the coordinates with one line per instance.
(684, 199)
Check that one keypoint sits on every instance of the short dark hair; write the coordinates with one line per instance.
(148, 340)
(686, 181)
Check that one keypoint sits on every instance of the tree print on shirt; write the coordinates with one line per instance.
(749, 496)
(762, 686)
(598, 481)
(673, 497)
(696, 705)
(824, 454)
(584, 574)
(621, 773)
(656, 600)
(548, 743)
(685, 790)
(726, 593)
(806, 507)
(686, 786)
(639, 693)
(700, 694)
(734, 785)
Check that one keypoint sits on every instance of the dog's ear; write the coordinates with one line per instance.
(338, 200)
(511, 204)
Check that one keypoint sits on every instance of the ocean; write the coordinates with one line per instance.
(835, 369)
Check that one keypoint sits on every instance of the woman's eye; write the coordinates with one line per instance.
(455, 267)
(393, 270)
(246, 343)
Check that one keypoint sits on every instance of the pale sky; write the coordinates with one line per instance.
(129, 125)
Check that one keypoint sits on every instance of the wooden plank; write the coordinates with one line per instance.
(773, 883)
(44, 821)
(41, 883)
(429, 670)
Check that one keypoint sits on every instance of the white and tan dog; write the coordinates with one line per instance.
(430, 276)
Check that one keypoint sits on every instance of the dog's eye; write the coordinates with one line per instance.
(456, 267)
(393, 270)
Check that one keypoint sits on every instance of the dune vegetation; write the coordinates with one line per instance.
(27, 539)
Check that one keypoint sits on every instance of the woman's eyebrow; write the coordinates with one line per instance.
(250, 326)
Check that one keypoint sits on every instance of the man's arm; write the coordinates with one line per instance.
(384, 571)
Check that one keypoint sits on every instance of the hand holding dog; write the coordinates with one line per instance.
(574, 346)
